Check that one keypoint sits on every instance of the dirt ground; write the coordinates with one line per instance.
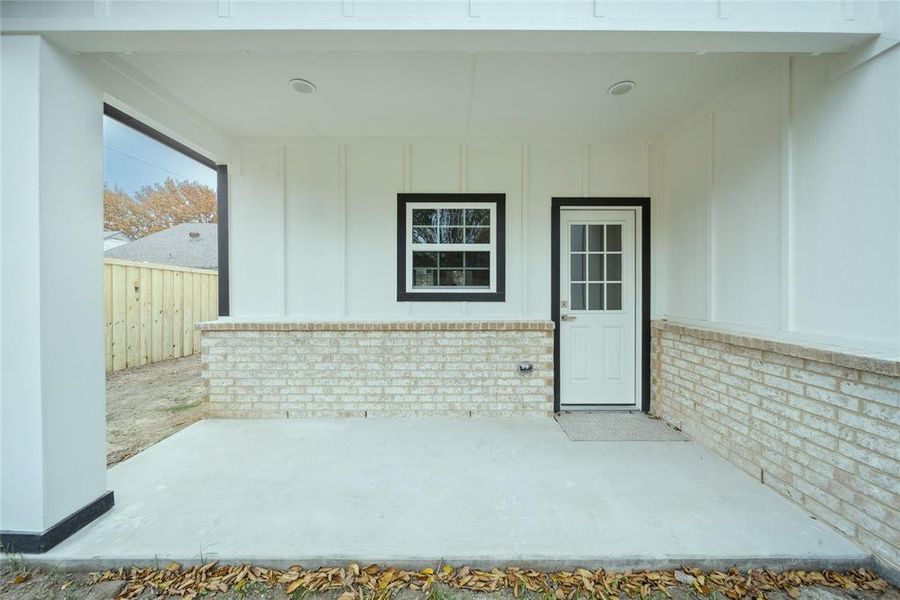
(149, 403)
(19, 583)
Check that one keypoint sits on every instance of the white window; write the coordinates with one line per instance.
(452, 248)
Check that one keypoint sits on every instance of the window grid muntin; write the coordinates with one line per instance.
(490, 248)
(580, 245)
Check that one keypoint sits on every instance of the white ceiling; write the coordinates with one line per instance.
(524, 95)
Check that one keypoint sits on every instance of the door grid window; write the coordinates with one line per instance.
(595, 275)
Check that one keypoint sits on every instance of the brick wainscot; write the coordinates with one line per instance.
(336, 369)
(821, 427)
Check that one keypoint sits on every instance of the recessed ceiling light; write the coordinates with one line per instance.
(303, 86)
(620, 88)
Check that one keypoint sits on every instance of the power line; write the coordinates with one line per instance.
(140, 160)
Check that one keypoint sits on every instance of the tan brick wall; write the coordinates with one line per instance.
(388, 369)
(822, 433)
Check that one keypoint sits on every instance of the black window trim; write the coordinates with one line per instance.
(498, 295)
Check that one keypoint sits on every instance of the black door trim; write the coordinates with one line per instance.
(221, 192)
(644, 205)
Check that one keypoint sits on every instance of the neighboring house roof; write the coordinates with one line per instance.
(187, 245)
(115, 235)
(114, 239)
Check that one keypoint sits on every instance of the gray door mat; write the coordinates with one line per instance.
(616, 426)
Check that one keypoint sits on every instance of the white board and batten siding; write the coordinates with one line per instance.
(313, 227)
(151, 309)
(781, 206)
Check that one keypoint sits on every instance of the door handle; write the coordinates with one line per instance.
(568, 317)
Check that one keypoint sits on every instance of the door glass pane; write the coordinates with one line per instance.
(614, 296)
(595, 238)
(576, 234)
(595, 296)
(614, 237)
(577, 300)
(577, 267)
(614, 267)
(595, 267)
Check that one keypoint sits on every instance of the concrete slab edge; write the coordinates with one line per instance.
(888, 572)
(774, 563)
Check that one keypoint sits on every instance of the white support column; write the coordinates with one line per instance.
(52, 396)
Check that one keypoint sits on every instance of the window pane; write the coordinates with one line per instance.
(613, 237)
(577, 301)
(478, 216)
(424, 277)
(595, 296)
(595, 238)
(480, 278)
(478, 235)
(478, 259)
(577, 270)
(424, 235)
(614, 296)
(425, 259)
(451, 235)
(576, 234)
(452, 278)
(595, 267)
(451, 216)
(424, 216)
(614, 267)
(451, 259)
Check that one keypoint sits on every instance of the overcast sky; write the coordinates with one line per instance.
(132, 160)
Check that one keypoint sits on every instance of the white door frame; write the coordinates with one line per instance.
(642, 291)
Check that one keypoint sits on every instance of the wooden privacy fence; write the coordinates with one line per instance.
(151, 310)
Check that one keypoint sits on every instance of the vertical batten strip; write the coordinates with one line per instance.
(524, 229)
(407, 184)
(787, 202)
(284, 231)
(711, 222)
(343, 209)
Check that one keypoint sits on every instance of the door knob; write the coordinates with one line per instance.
(568, 318)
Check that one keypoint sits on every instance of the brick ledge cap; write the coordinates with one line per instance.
(842, 358)
(533, 325)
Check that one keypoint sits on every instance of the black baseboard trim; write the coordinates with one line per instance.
(38, 543)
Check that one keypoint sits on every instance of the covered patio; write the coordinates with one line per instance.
(439, 228)
(419, 492)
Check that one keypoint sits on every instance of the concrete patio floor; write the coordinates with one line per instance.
(414, 492)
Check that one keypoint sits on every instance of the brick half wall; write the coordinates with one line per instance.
(820, 427)
(377, 369)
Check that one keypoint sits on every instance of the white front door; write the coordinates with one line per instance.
(599, 311)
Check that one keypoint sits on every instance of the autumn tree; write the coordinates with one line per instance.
(157, 207)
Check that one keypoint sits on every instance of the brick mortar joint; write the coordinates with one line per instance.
(442, 326)
(881, 366)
